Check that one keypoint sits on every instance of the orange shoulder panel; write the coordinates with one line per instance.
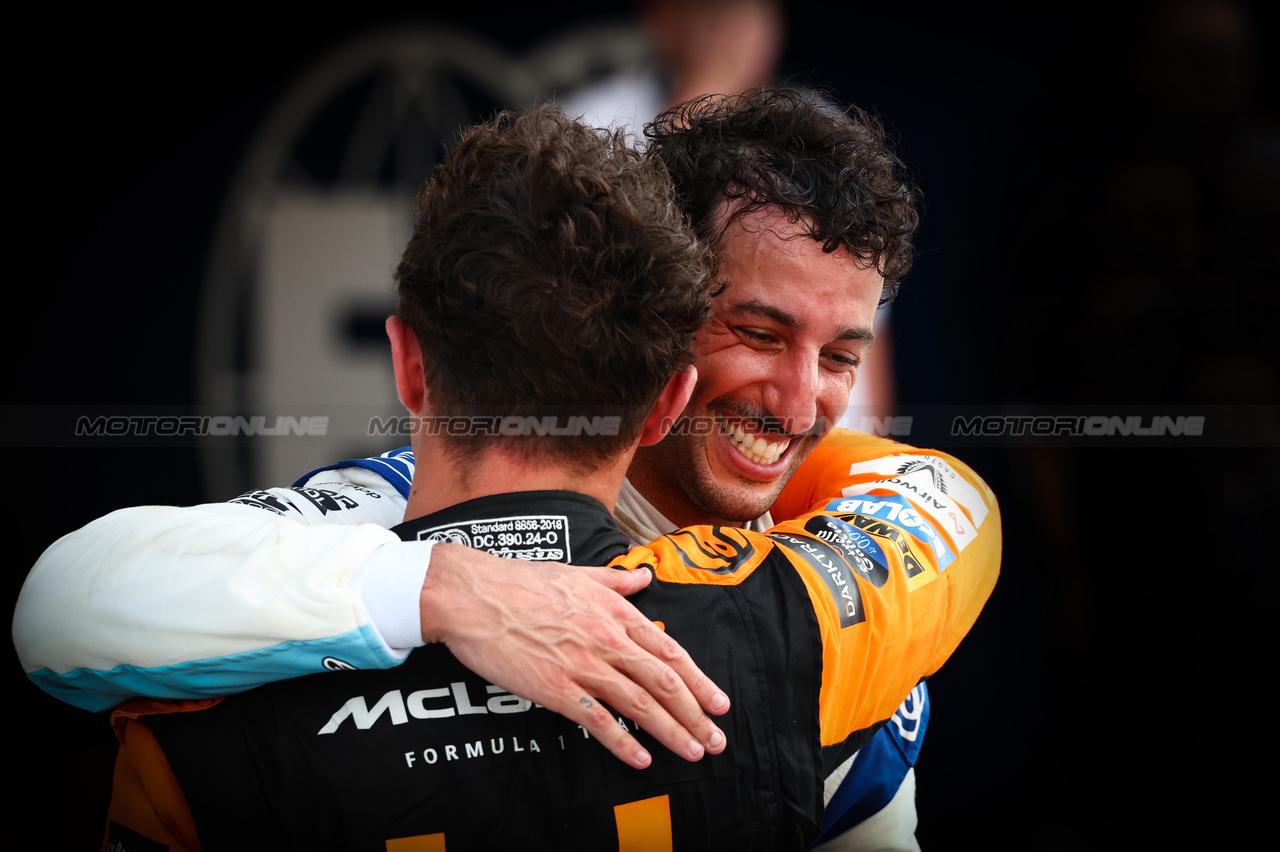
(898, 548)
(829, 463)
(934, 529)
(716, 556)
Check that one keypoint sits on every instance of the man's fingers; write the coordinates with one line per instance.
(656, 682)
(653, 639)
(622, 582)
(633, 702)
(651, 693)
(668, 700)
(596, 719)
(567, 639)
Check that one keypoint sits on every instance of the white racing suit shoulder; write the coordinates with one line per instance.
(207, 600)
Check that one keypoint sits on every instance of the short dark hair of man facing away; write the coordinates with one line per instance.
(551, 273)
(827, 167)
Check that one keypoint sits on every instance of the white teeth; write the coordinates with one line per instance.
(755, 448)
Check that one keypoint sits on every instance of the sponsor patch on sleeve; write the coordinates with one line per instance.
(836, 571)
(933, 485)
(897, 511)
(858, 548)
(266, 500)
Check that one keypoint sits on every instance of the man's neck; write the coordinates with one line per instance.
(650, 474)
(642, 522)
(443, 479)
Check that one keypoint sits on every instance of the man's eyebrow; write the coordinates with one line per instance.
(755, 307)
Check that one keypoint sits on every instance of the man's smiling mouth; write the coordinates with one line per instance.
(757, 448)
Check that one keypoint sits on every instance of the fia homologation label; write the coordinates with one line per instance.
(536, 537)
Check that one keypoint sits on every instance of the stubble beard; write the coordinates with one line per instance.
(684, 456)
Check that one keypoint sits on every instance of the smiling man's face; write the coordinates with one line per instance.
(776, 362)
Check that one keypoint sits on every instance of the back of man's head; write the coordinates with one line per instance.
(826, 167)
(550, 275)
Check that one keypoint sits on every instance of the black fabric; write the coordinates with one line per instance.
(347, 760)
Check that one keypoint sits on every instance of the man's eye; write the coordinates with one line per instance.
(843, 361)
(756, 336)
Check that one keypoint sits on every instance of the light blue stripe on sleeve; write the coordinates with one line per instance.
(209, 678)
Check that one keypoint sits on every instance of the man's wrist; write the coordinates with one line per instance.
(390, 584)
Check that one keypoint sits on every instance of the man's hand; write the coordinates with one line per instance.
(565, 638)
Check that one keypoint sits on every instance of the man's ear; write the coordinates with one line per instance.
(675, 396)
(406, 359)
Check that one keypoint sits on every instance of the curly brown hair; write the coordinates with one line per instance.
(551, 273)
(827, 167)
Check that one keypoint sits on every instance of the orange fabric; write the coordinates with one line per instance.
(912, 627)
(644, 826)
(145, 794)
(916, 619)
(693, 555)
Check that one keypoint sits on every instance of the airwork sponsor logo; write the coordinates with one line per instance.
(930, 482)
(438, 703)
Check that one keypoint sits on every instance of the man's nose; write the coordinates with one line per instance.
(792, 392)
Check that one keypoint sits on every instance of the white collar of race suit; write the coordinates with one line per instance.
(642, 523)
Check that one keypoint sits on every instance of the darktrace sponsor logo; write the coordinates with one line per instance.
(835, 570)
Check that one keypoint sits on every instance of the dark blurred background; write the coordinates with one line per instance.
(1101, 188)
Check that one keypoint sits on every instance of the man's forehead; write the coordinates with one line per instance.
(769, 235)
(767, 228)
(774, 269)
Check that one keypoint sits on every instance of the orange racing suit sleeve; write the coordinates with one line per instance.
(899, 549)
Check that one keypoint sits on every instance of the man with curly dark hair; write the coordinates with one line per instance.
(811, 218)
(828, 168)
(806, 208)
